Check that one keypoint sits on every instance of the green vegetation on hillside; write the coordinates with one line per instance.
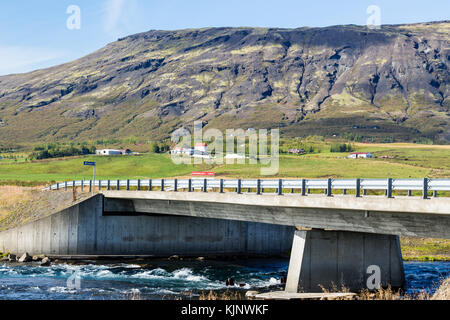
(54, 150)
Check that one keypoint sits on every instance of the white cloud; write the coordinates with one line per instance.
(120, 16)
(114, 9)
(17, 59)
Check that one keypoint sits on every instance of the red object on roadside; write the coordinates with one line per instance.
(203, 174)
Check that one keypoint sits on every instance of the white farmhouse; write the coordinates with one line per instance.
(235, 156)
(109, 152)
(360, 155)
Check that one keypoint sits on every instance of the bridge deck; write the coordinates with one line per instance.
(398, 216)
(439, 206)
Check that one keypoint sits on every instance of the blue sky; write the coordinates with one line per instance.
(33, 34)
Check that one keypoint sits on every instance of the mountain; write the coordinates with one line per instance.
(390, 82)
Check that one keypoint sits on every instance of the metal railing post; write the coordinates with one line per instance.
(82, 185)
(162, 184)
(221, 185)
(90, 185)
(389, 189)
(99, 185)
(118, 185)
(190, 185)
(150, 182)
(329, 191)
(109, 185)
(258, 186)
(239, 187)
(175, 185)
(425, 188)
(280, 187)
(128, 184)
(303, 187)
(65, 185)
(205, 185)
(358, 188)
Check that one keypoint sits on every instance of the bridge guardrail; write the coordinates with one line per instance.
(261, 186)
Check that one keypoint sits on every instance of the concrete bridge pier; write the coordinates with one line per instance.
(341, 259)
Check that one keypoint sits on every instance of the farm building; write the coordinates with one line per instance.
(126, 151)
(113, 152)
(185, 151)
(235, 156)
(297, 151)
(202, 147)
(360, 155)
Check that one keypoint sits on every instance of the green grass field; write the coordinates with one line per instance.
(402, 161)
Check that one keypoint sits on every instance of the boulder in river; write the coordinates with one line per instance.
(45, 262)
(26, 258)
(229, 282)
(36, 258)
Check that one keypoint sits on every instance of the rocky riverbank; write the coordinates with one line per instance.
(26, 258)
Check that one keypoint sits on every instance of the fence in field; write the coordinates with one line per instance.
(259, 186)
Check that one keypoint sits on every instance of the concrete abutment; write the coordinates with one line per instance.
(86, 230)
(344, 260)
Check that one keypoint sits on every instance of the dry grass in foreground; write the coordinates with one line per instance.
(227, 295)
(443, 293)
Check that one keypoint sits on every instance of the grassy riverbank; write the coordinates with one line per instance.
(422, 249)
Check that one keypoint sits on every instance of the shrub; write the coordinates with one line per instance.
(341, 148)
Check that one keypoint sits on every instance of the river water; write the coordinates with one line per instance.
(167, 279)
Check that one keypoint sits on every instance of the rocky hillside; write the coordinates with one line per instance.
(392, 82)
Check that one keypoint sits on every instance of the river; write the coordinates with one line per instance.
(167, 279)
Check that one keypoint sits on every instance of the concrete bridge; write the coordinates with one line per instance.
(338, 239)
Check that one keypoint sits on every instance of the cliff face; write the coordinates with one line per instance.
(392, 82)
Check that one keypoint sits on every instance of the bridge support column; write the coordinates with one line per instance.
(295, 264)
(340, 259)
